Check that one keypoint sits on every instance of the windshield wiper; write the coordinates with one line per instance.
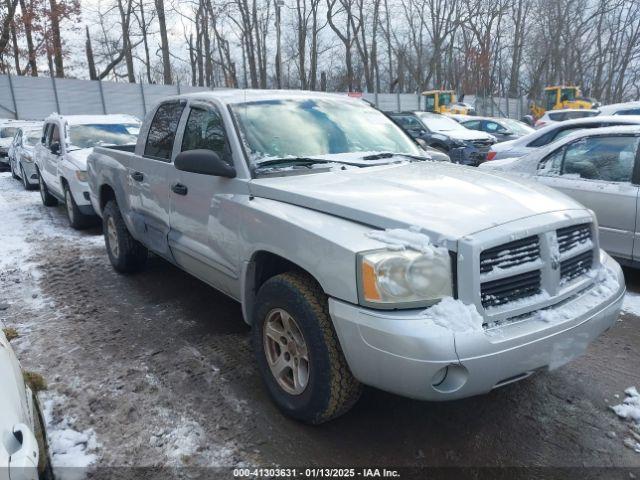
(383, 155)
(301, 161)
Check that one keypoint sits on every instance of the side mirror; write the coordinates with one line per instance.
(204, 162)
(422, 143)
(55, 148)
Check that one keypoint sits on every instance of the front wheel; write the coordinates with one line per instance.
(25, 179)
(297, 350)
(13, 170)
(126, 254)
(77, 219)
(48, 200)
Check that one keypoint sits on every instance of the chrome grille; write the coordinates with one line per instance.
(509, 289)
(570, 237)
(510, 254)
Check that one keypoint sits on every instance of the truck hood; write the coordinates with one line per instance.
(447, 201)
(79, 157)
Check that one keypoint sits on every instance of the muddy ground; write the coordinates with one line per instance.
(156, 370)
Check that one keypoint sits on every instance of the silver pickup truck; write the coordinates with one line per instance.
(356, 259)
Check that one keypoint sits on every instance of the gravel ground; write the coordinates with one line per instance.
(155, 370)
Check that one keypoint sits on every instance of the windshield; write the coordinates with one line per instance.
(316, 127)
(8, 132)
(440, 123)
(517, 127)
(91, 135)
(31, 137)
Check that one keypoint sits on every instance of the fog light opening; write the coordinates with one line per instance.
(449, 379)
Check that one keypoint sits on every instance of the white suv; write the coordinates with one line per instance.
(61, 158)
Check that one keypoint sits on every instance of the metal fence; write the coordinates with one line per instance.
(34, 98)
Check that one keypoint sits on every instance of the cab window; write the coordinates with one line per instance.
(162, 131)
(205, 130)
(606, 158)
(472, 124)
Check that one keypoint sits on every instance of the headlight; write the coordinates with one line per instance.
(82, 176)
(395, 279)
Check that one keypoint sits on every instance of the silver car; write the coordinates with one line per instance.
(356, 259)
(21, 155)
(600, 169)
(546, 135)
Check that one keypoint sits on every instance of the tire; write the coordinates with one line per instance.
(25, 181)
(77, 219)
(126, 254)
(331, 389)
(13, 171)
(48, 200)
(45, 471)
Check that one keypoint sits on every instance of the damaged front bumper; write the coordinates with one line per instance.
(401, 352)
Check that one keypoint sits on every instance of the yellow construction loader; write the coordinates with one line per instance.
(444, 101)
(560, 97)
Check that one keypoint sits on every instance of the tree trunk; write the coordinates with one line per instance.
(90, 60)
(164, 43)
(56, 39)
(27, 18)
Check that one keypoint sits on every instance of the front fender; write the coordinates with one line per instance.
(323, 245)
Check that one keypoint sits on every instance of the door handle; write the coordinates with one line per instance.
(137, 176)
(179, 189)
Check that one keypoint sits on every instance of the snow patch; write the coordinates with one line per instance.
(454, 316)
(629, 410)
(403, 238)
(631, 303)
(68, 446)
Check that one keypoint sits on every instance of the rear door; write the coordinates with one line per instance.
(203, 221)
(600, 172)
(150, 175)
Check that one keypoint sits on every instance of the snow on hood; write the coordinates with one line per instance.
(5, 141)
(467, 134)
(79, 157)
(501, 165)
(442, 199)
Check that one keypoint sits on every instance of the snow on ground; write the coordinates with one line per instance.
(68, 447)
(629, 410)
(631, 303)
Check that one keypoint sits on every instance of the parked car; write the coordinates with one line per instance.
(627, 108)
(8, 129)
(441, 132)
(23, 446)
(21, 155)
(502, 129)
(552, 133)
(61, 158)
(336, 238)
(596, 167)
(554, 116)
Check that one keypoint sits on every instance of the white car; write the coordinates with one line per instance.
(21, 155)
(23, 448)
(61, 158)
(555, 116)
(627, 108)
(540, 138)
(599, 168)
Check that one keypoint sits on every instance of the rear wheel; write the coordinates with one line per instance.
(126, 254)
(297, 350)
(13, 170)
(77, 219)
(48, 200)
(25, 180)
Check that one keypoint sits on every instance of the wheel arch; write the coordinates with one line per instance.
(262, 266)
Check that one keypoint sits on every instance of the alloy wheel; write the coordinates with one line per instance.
(112, 237)
(286, 351)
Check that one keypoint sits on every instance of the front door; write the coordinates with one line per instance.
(50, 173)
(203, 214)
(598, 172)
